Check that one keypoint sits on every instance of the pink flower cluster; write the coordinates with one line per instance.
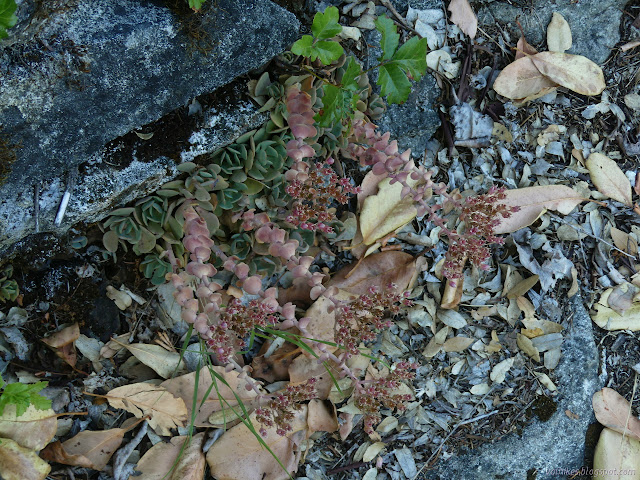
(313, 189)
(481, 214)
(279, 410)
(360, 320)
(378, 393)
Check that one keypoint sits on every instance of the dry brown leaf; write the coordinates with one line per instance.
(574, 72)
(523, 48)
(609, 179)
(305, 367)
(624, 241)
(90, 449)
(558, 34)
(533, 201)
(521, 79)
(379, 270)
(614, 411)
(386, 211)
(115, 345)
(462, 15)
(159, 461)
(458, 344)
(33, 429)
(321, 416)
(322, 321)
(164, 363)
(62, 343)
(143, 399)
(219, 396)
(19, 463)
(527, 347)
(238, 454)
(615, 453)
(523, 287)
(274, 368)
(607, 318)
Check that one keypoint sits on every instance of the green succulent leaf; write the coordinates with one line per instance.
(9, 290)
(325, 25)
(22, 395)
(7, 17)
(196, 4)
(390, 37)
(155, 268)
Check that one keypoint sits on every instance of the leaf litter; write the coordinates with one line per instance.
(483, 362)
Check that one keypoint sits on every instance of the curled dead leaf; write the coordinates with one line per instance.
(462, 15)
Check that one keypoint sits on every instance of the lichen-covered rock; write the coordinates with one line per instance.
(80, 74)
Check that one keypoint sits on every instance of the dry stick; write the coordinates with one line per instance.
(464, 422)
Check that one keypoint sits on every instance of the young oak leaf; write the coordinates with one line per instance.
(7, 17)
(397, 64)
(325, 26)
(142, 399)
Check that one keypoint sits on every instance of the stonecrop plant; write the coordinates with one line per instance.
(239, 227)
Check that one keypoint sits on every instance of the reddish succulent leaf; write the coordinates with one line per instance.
(613, 411)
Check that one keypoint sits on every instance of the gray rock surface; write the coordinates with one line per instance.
(415, 121)
(544, 447)
(92, 71)
(595, 26)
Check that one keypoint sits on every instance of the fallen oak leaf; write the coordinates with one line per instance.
(19, 463)
(615, 452)
(609, 179)
(462, 15)
(143, 399)
(241, 453)
(558, 34)
(89, 449)
(161, 461)
(575, 72)
(62, 343)
(33, 429)
(521, 80)
(523, 48)
(533, 202)
(614, 411)
(163, 362)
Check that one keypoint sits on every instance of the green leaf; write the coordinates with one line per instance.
(351, 75)
(394, 83)
(331, 102)
(196, 4)
(325, 25)
(22, 395)
(303, 46)
(327, 51)
(390, 37)
(7, 17)
(412, 57)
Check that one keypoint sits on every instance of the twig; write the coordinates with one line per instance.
(347, 467)
(36, 205)
(121, 456)
(387, 4)
(64, 203)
